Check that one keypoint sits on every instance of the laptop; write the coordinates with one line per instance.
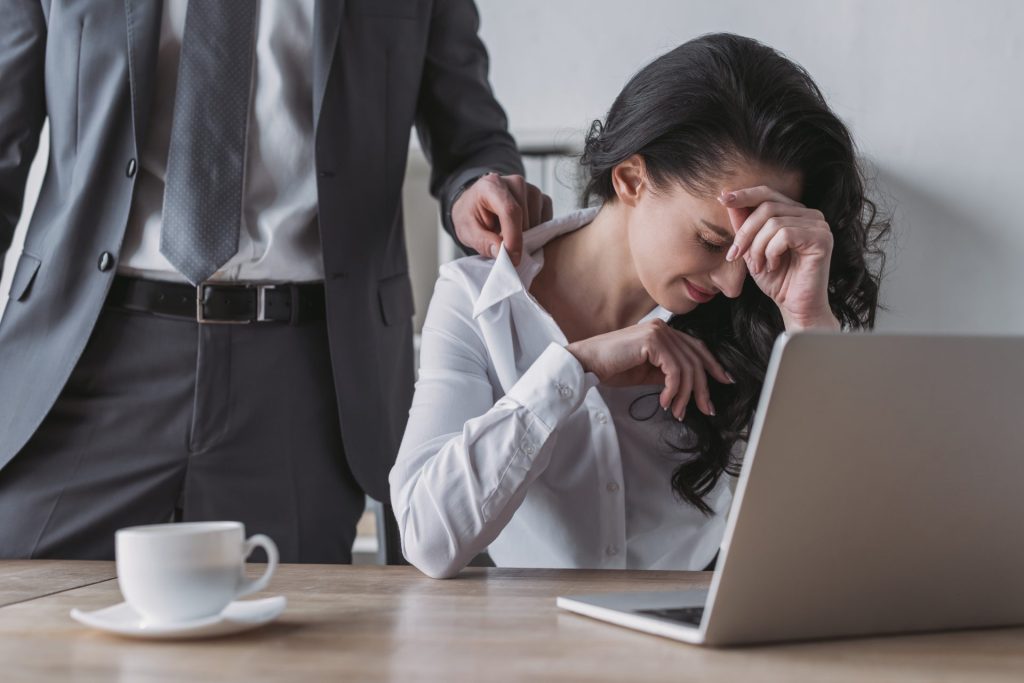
(882, 492)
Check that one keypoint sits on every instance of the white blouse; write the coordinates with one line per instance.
(512, 448)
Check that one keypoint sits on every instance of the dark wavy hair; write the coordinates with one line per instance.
(694, 113)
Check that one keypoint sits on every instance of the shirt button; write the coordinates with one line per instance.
(564, 391)
(602, 418)
(529, 449)
(130, 170)
(106, 261)
(612, 550)
(612, 487)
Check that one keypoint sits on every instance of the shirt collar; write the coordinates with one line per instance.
(505, 279)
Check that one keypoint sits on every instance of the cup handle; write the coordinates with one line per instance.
(253, 542)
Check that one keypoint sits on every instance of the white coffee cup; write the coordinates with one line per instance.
(185, 571)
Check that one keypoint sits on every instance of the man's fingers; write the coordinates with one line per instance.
(547, 210)
(486, 231)
(540, 210)
(480, 233)
(534, 198)
(490, 245)
(516, 186)
(500, 201)
(515, 206)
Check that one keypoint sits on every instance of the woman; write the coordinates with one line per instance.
(584, 408)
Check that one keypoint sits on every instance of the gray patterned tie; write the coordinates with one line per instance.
(202, 207)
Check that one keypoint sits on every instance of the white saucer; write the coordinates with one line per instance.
(239, 616)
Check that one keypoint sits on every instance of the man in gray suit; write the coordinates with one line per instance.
(211, 318)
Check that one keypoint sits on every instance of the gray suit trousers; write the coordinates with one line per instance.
(168, 419)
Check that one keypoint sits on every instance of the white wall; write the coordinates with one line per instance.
(932, 90)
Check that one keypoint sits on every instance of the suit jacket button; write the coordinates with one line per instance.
(130, 170)
(106, 261)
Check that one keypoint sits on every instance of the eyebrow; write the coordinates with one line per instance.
(722, 232)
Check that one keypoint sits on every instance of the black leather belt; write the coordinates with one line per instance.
(241, 303)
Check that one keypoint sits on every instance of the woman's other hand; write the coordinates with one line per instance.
(787, 248)
(654, 353)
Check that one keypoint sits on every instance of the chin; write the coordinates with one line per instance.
(679, 306)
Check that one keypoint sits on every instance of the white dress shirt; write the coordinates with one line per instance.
(513, 448)
(278, 237)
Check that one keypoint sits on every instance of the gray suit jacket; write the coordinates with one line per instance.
(379, 67)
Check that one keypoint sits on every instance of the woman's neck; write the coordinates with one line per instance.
(588, 282)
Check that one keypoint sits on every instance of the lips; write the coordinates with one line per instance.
(697, 294)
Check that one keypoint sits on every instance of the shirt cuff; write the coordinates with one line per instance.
(554, 387)
(458, 185)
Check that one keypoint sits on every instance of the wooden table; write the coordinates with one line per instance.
(391, 623)
(22, 580)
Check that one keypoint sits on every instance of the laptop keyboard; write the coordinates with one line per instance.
(690, 616)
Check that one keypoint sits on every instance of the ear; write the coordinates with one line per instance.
(629, 178)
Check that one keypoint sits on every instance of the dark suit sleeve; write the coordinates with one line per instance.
(22, 105)
(461, 126)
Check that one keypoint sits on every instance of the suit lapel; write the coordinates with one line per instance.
(326, 23)
(143, 23)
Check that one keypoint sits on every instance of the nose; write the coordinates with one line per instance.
(729, 277)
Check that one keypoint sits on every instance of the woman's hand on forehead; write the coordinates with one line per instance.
(787, 248)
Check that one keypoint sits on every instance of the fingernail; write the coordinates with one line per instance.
(731, 379)
(711, 408)
(494, 251)
(731, 256)
(730, 197)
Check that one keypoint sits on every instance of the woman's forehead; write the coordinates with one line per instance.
(745, 175)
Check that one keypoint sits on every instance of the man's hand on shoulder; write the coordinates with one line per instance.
(496, 209)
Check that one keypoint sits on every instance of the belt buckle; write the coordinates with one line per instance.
(261, 301)
(201, 316)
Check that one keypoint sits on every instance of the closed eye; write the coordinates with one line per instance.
(710, 243)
